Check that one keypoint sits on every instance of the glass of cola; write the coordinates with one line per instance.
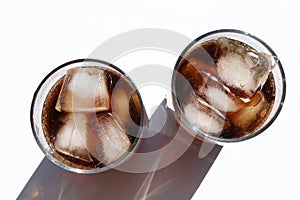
(227, 86)
(87, 116)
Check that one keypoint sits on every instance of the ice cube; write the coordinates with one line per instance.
(222, 100)
(205, 118)
(242, 69)
(71, 137)
(126, 107)
(120, 105)
(107, 141)
(217, 95)
(84, 90)
(252, 113)
(236, 73)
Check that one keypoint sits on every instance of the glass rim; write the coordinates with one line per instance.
(211, 137)
(48, 153)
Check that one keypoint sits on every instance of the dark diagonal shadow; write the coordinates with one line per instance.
(179, 180)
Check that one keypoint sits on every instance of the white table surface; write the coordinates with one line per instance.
(36, 36)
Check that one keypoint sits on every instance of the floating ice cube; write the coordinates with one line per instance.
(252, 113)
(125, 106)
(107, 141)
(241, 68)
(235, 72)
(120, 105)
(222, 100)
(71, 137)
(217, 95)
(204, 118)
(84, 90)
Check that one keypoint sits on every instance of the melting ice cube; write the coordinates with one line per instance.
(84, 90)
(107, 141)
(245, 70)
(204, 118)
(120, 105)
(71, 137)
(222, 100)
(218, 96)
(252, 113)
(125, 106)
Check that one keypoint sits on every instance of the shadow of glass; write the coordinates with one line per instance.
(179, 180)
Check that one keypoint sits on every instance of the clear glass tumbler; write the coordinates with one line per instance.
(125, 110)
(209, 70)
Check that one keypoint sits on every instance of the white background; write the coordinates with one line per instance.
(36, 36)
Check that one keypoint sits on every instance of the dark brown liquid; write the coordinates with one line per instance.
(207, 54)
(52, 122)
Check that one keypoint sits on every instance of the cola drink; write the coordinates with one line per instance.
(91, 117)
(224, 89)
